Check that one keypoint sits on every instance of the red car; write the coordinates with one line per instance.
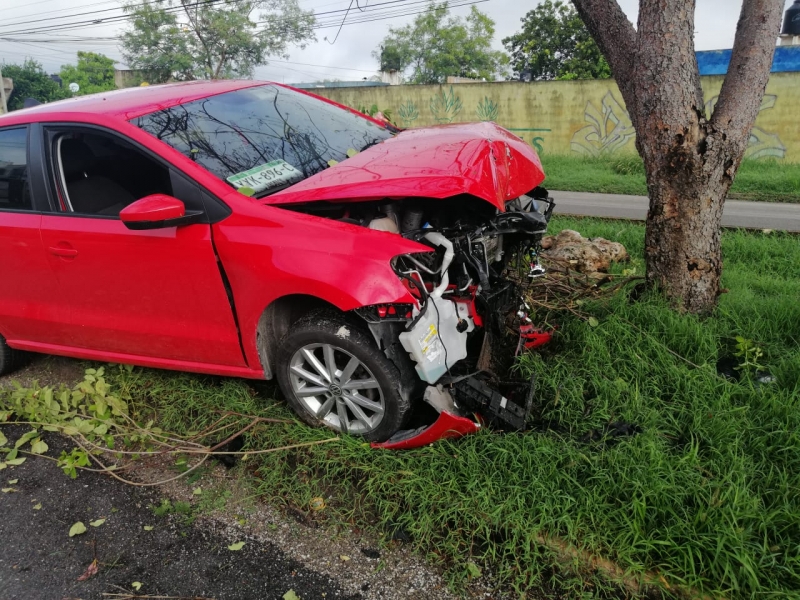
(248, 229)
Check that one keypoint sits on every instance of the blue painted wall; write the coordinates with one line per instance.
(715, 62)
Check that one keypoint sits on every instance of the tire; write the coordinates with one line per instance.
(364, 390)
(8, 357)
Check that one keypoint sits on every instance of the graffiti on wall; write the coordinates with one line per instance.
(445, 106)
(609, 129)
(487, 109)
(536, 136)
(408, 113)
(761, 144)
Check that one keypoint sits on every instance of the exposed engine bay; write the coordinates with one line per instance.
(455, 344)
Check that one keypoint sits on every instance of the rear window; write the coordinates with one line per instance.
(15, 193)
(265, 138)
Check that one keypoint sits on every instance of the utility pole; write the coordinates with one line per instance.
(3, 103)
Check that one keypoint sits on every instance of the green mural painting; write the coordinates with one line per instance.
(536, 140)
(408, 113)
(609, 129)
(762, 144)
(487, 109)
(445, 106)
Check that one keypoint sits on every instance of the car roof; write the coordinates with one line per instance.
(130, 103)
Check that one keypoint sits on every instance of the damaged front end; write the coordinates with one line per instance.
(456, 344)
(469, 301)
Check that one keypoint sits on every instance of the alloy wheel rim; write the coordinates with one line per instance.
(337, 388)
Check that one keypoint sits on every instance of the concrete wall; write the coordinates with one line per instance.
(561, 117)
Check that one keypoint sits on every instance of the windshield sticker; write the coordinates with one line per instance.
(274, 174)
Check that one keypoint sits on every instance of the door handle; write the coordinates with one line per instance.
(64, 252)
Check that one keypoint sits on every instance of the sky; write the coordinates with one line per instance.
(349, 58)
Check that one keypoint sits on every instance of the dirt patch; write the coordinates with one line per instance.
(361, 564)
(47, 370)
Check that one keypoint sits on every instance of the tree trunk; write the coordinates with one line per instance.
(690, 159)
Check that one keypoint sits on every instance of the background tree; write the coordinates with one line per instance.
(690, 160)
(93, 73)
(31, 81)
(555, 44)
(184, 39)
(437, 45)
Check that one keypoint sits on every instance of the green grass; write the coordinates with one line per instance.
(707, 496)
(763, 180)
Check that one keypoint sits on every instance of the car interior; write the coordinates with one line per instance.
(101, 175)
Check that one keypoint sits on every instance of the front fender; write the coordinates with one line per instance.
(269, 253)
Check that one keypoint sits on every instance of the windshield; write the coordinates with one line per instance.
(263, 138)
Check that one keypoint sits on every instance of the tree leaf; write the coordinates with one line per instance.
(77, 529)
(37, 506)
(148, 528)
(7, 490)
(90, 571)
(473, 570)
(39, 446)
(26, 438)
(236, 546)
(137, 585)
(12, 481)
(290, 595)
(198, 491)
(593, 322)
(97, 523)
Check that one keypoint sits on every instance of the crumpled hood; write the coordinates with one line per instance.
(480, 159)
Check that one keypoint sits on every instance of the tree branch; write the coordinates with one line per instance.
(613, 32)
(748, 72)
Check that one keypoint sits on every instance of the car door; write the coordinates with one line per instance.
(153, 293)
(28, 291)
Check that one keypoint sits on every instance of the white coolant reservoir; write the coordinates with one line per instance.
(388, 223)
(435, 339)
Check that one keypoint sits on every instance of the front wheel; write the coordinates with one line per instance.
(333, 374)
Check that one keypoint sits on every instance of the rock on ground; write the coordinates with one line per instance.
(591, 255)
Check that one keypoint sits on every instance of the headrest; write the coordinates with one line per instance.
(76, 156)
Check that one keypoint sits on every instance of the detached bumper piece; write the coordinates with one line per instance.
(447, 426)
(505, 408)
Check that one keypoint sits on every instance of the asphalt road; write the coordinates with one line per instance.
(39, 561)
(737, 213)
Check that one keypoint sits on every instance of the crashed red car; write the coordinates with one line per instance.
(248, 229)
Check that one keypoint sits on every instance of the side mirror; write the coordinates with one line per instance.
(158, 211)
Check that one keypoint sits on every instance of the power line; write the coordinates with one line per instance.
(367, 17)
(177, 9)
(105, 2)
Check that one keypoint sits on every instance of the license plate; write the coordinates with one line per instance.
(274, 174)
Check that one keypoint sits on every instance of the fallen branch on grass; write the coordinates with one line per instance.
(98, 422)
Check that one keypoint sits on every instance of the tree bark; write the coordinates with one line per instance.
(690, 159)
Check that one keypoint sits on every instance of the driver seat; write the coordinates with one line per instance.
(90, 192)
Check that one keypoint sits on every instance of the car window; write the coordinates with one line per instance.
(265, 138)
(100, 174)
(15, 193)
